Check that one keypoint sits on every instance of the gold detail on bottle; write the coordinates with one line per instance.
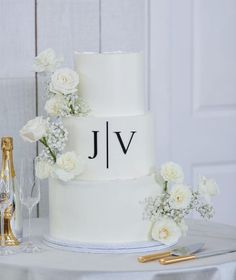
(7, 147)
(10, 239)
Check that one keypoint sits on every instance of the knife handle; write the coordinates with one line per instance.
(153, 257)
(171, 260)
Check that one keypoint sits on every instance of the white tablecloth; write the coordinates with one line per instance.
(54, 264)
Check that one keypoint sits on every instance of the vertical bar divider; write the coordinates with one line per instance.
(107, 144)
(36, 77)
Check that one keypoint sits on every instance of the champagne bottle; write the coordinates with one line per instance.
(13, 227)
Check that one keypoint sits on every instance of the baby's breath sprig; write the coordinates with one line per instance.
(55, 140)
(177, 200)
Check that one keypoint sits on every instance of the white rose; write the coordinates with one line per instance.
(55, 105)
(46, 61)
(68, 166)
(172, 172)
(180, 196)
(208, 188)
(166, 231)
(43, 169)
(64, 81)
(34, 130)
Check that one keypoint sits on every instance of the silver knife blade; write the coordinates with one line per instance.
(187, 250)
(215, 253)
(177, 259)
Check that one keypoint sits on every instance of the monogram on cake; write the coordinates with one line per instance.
(116, 141)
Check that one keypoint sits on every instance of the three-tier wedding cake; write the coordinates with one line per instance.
(104, 192)
(117, 143)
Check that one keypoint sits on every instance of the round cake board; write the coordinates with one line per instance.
(105, 248)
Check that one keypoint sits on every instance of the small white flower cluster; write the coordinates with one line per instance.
(62, 88)
(57, 136)
(63, 106)
(52, 161)
(167, 211)
(54, 142)
(34, 130)
(47, 61)
(68, 166)
(63, 100)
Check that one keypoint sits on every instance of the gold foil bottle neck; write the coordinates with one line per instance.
(7, 143)
(7, 155)
(9, 213)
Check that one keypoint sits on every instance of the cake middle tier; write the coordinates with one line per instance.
(112, 147)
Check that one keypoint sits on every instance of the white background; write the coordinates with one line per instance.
(190, 50)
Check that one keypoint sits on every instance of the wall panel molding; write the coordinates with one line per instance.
(214, 67)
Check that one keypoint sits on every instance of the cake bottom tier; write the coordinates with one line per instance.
(100, 211)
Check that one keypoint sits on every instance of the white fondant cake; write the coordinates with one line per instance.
(116, 141)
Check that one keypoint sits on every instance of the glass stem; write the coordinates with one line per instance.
(2, 228)
(29, 225)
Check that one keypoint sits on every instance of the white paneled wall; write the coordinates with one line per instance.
(17, 80)
(189, 47)
(203, 95)
(123, 25)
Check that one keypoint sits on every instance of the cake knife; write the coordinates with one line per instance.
(176, 259)
(178, 251)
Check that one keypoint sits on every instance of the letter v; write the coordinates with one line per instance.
(124, 149)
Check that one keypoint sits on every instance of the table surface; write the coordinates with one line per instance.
(57, 264)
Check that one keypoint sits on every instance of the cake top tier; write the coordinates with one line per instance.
(112, 83)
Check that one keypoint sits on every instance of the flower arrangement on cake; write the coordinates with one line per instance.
(63, 99)
(175, 201)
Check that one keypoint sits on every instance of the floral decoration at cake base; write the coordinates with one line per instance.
(167, 211)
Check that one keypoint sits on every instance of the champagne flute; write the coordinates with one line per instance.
(30, 197)
(6, 199)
